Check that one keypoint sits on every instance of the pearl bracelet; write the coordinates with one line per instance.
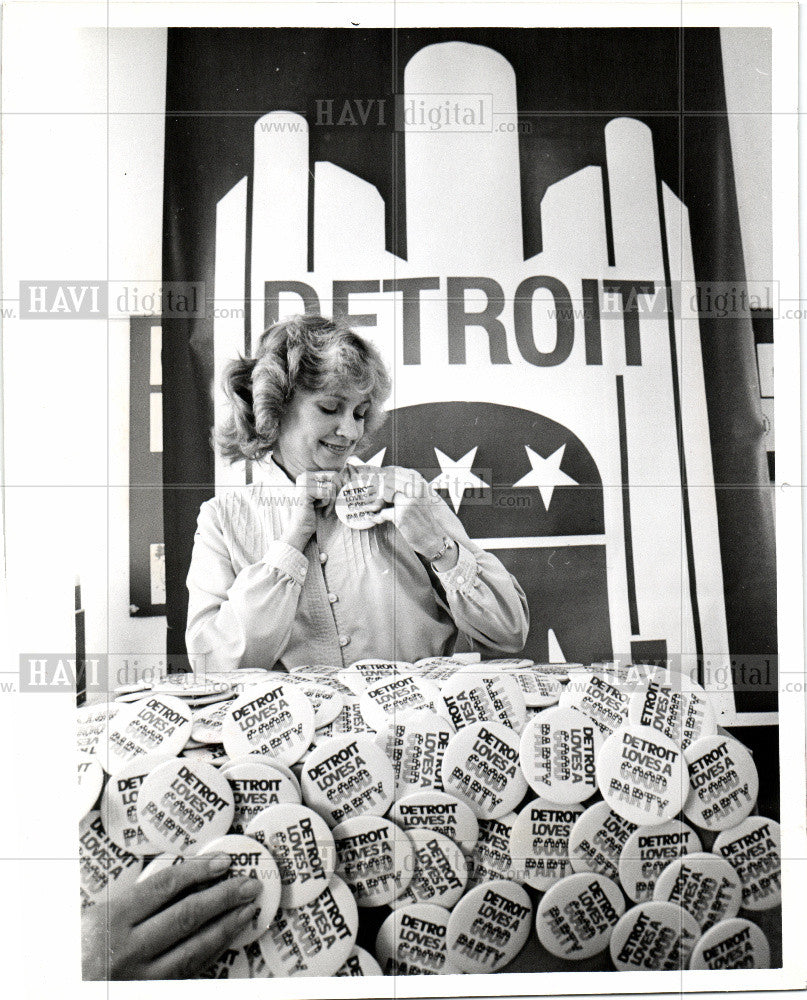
(447, 543)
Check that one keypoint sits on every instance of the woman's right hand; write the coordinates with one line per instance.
(169, 926)
(312, 490)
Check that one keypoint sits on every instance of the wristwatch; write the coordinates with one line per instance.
(447, 543)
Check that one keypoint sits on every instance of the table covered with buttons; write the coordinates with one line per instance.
(447, 816)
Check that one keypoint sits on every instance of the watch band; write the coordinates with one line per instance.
(447, 542)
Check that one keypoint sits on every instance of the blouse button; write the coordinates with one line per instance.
(344, 640)
(460, 580)
(323, 557)
(333, 598)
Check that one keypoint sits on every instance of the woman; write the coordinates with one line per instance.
(276, 579)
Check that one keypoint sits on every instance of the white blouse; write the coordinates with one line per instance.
(257, 602)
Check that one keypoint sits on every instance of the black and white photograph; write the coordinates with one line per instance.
(402, 498)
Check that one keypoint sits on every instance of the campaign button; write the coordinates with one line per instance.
(677, 707)
(359, 963)
(732, 944)
(349, 721)
(326, 702)
(347, 776)
(364, 673)
(358, 502)
(648, 851)
(412, 942)
(654, 937)
(476, 695)
(558, 751)
(90, 782)
(490, 857)
(257, 784)
(207, 722)
(119, 805)
(539, 690)
(642, 775)
(302, 846)
(416, 744)
(597, 839)
(388, 699)
(438, 812)
(539, 842)
(249, 859)
(723, 782)
(192, 685)
(274, 719)
(481, 768)
(107, 871)
(183, 805)
(315, 939)
(440, 870)
(489, 927)
(156, 724)
(704, 884)
(606, 704)
(754, 850)
(92, 726)
(576, 916)
(374, 857)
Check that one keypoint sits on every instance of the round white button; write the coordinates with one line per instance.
(539, 842)
(489, 927)
(157, 724)
(604, 703)
(358, 501)
(323, 557)
(732, 944)
(249, 859)
(412, 942)
(481, 768)
(440, 871)
(473, 695)
(704, 884)
(344, 640)
(491, 858)
(654, 936)
(347, 776)
(575, 916)
(107, 871)
(754, 849)
(438, 812)
(387, 699)
(303, 849)
(558, 750)
(374, 857)
(724, 780)
(315, 939)
(274, 719)
(642, 775)
(333, 598)
(257, 784)
(597, 839)
(416, 745)
(119, 806)
(183, 805)
(648, 851)
(676, 706)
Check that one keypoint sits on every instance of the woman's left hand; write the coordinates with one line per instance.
(413, 511)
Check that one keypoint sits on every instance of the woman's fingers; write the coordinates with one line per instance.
(184, 918)
(159, 889)
(193, 955)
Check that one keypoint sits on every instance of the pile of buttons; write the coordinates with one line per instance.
(460, 808)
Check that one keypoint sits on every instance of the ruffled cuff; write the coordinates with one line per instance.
(284, 557)
(462, 577)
